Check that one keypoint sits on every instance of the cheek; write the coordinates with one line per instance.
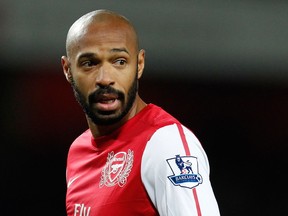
(84, 84)
(126, 82)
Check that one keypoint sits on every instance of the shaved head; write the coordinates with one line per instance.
(98, 18)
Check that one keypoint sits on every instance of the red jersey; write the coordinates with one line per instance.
(150, 166)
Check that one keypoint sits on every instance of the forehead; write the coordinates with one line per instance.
(98, 36)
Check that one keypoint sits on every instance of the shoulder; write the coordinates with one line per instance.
(159, 116)
(174, 160)
(86, 135)
(81, 142)
(171, 140)
(174, 135)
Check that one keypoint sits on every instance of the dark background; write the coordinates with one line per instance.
(225, 79)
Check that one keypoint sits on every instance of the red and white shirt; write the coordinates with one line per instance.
(150, 166)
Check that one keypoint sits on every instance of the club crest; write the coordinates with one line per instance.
(117, 169)
(185, 171)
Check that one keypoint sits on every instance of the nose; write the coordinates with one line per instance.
(104, 77)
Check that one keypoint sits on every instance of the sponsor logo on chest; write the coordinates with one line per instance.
(117, 169)
(81, 210)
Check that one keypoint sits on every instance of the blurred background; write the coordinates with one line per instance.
(220, 67)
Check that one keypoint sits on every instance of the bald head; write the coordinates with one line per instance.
(98, 18)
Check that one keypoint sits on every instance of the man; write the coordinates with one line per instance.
(126, 162)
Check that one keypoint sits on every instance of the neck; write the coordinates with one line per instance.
(102, 130)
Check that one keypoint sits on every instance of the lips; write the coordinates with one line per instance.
(106, 98)
(106, 102)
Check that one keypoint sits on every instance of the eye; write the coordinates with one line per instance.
(87, 63)
(120, 62)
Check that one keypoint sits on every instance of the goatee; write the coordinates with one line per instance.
(109, 117)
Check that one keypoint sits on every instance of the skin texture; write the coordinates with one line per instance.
(103, 66)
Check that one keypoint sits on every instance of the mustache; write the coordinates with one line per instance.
(107, 90)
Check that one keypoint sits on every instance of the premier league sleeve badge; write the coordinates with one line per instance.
(184, 171)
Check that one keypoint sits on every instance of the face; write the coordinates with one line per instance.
(106, 116)
(103, 68)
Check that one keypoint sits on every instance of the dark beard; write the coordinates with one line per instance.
(106, 118)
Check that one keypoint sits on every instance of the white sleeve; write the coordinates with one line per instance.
(183, 189)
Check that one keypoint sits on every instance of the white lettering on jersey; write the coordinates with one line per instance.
(117, 169)
(81, 210)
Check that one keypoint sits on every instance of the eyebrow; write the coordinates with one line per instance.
(91, 55)
(86, 55)
(120, 50)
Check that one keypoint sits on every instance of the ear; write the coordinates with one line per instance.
(66, 68)
(141, 62)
